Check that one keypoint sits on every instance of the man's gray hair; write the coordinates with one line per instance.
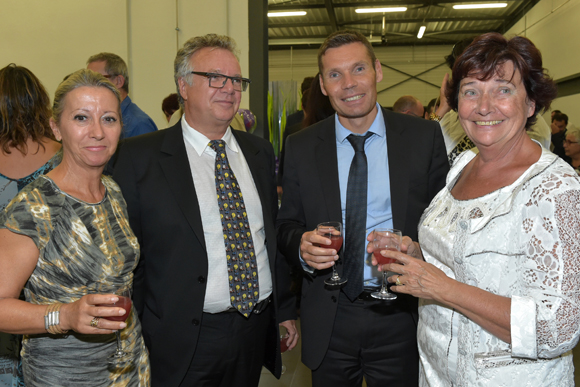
(114, 66)
(181, 65)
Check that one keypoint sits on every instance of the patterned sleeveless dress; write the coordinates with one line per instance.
(84, 248)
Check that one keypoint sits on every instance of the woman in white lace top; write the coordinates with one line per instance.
(499, 258)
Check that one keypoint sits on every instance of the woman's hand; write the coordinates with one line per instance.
(78, 315)
(417, 277)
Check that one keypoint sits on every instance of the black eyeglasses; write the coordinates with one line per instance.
(218, 81)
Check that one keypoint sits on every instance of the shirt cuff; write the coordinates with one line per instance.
(523, 327)
(305, 266)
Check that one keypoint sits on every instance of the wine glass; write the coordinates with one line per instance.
(385, 239)
(283, 347)
(332, 231)
(120, 356)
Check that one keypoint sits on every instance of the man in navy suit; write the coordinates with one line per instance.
(197, 326)
(347, 335)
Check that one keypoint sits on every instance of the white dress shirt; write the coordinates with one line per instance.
(202, 164)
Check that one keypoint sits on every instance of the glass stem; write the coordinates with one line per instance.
(118, 334)
(384, 287)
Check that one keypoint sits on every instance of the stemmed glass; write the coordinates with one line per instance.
(332, 231)
(385, 239)
(120, 356)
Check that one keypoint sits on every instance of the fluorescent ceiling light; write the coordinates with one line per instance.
(478, 6)
(374, 10)
(421, 32)
(290, 13)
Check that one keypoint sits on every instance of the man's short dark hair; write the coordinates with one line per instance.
(560, 117)
(341, 38)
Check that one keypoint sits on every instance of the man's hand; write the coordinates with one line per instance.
(317, 257)
(291, 336)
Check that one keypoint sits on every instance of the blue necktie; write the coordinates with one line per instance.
(356, 217)
(240, 254)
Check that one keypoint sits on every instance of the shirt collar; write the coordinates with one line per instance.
(377, 127)
(200, 142)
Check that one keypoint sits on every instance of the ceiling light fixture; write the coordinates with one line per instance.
(376, 10)
(290, 13)
(421, 32)
(480, 6)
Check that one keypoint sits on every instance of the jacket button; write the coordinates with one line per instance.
(333, 298)
(195, 322)
(201, 279)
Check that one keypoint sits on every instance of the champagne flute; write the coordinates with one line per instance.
(385, 239)
(120, 357)
(332, 231)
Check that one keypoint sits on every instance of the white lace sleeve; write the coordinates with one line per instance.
(551, 276)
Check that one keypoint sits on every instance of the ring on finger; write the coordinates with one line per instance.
(95, 322)
(398, 282)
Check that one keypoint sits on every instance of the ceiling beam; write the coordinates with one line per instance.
(281, 7)
(394, 21)
(331, 14)
(427, 20)
(301, 24)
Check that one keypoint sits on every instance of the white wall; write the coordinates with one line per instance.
(55, 38)
(297, 64)
(553, 27)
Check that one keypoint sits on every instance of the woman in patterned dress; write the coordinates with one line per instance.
(498, 279)
(66, 239)
(27, 150)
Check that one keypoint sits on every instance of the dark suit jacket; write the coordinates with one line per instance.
(417, 168)
(170, 281)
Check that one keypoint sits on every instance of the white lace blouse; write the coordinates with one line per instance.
(522, 242)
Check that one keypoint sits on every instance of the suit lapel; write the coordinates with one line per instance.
(175, 166)
(327, 169)
(398, 152)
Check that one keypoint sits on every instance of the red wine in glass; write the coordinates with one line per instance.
(332, 231)
(383, 260)
(385, 239)
(125, 303)
(283, 345)
(120, 357)
(335, 242)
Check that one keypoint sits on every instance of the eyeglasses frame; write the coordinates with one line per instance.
(209, 75)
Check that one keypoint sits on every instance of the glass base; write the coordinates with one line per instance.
(335, 280)
(120, 358)
(384, 295)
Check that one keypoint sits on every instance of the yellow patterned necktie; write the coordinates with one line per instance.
(240, 254)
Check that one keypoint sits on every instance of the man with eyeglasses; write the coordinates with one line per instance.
(202, 202)
(114, 68)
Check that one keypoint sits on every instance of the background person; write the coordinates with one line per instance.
(114, 68)
(66, 239)
(28, 150)
(498, 288)
(572, 146)
(408, 104)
